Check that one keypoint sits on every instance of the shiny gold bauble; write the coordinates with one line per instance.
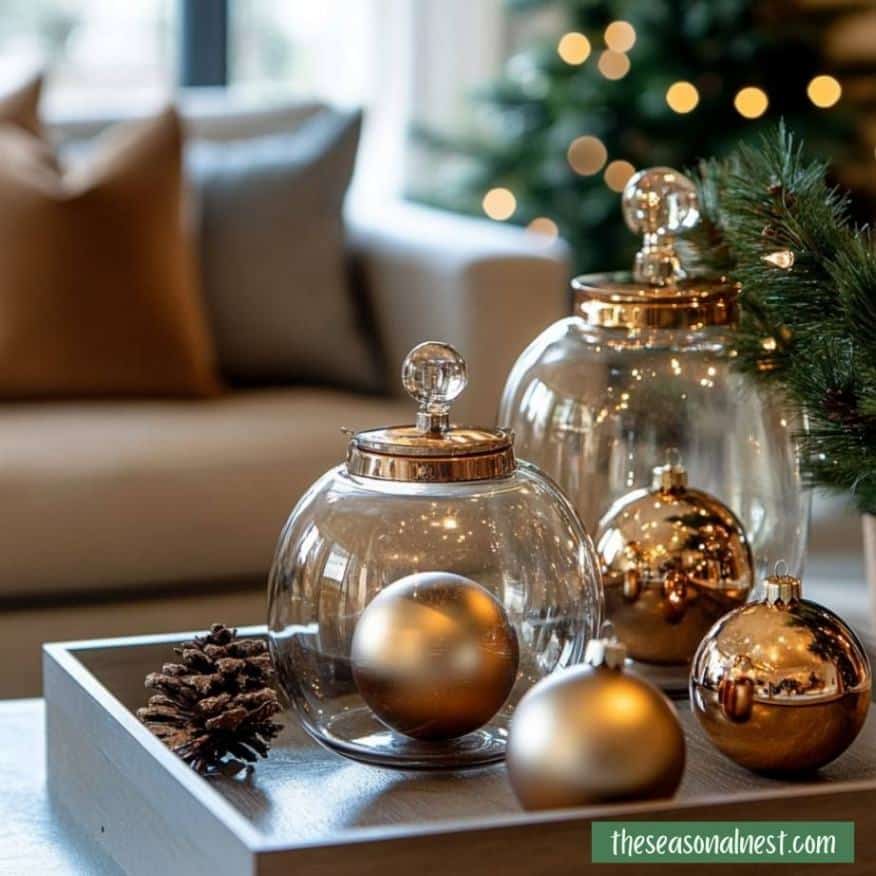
(594, 734)
(781, 685)
(434, 655)
(674, 560)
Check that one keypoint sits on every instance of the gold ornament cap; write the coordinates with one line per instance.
(606, 650)
(671, 476)
(432, 450)
(781, 587)
(659, 203)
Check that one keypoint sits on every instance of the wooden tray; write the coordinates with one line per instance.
(306, 810)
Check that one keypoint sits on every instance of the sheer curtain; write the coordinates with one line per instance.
(427, 56)
(405, 61)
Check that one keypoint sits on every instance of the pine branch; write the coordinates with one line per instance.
(808, 299)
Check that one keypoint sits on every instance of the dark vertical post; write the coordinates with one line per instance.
(204, 42)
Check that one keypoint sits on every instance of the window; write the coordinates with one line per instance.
(403, 60)
(323, 48)
(97, 51)
(102, 52)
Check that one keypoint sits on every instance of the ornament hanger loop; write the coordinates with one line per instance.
(606, 631)
(780, 570)
(673, 456)
(672, 475)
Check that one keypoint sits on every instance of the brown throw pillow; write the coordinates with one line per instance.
(20, 107)
(98, 295)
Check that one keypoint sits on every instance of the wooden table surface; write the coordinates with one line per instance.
(34, 837)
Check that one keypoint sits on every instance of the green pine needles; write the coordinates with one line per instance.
(808, 278)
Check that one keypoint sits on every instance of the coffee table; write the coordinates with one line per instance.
(35, 837)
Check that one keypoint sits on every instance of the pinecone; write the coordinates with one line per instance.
(217, 702)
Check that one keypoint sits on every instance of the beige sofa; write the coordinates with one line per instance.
(134, 517)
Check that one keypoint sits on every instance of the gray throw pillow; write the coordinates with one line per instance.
(273, 257)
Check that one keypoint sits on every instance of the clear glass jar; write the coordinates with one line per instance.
(402, 505)
(598, 410)
(643, 367)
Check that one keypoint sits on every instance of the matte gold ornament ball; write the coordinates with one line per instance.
(434, 655)
(781, 685)
(594, 734)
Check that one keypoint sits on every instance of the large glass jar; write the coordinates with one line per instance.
(644, 368)
(412, 500)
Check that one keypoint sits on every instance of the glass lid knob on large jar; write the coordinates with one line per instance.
(423, 586)
(645, 364)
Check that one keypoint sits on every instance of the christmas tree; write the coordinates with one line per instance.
(627, 84)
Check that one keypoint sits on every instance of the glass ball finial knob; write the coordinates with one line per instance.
(660, 200)
(659, 203)
(434, 373)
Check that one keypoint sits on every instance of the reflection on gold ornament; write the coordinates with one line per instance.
(434, 655)
(781, 685)
(674, 560)
(594, 734)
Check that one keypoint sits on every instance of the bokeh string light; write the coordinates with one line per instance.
(617, 174)
(544, 228)
(613, 65)
(620, 36)
(824, 91)
(751, 102)
(682, 97)
(499, 204)
(587, 155)
(574, 48)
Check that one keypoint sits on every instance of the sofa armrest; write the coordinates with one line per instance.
(488, 289)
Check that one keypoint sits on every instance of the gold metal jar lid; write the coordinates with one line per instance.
(432, 450)
(658, 203)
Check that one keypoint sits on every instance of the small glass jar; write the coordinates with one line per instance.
(644, 366)
(426, 498)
